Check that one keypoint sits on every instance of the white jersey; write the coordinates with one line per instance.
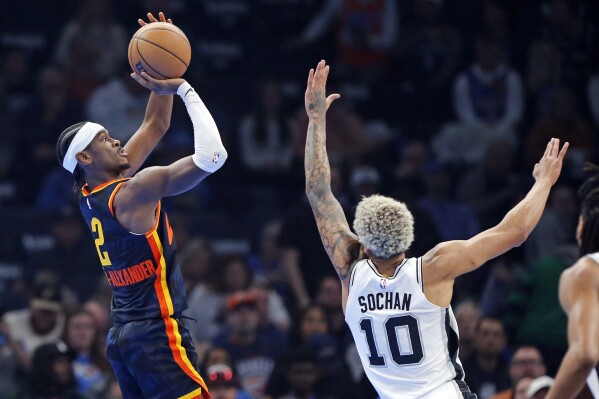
(593, 378)
(407, 345)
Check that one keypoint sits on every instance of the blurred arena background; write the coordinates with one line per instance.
(446, 105)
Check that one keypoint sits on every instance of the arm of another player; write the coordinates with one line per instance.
(578, 295)
(339, 242)
(158, 114)
(453, 258)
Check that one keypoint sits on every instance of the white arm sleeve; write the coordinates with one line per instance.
(210, 154)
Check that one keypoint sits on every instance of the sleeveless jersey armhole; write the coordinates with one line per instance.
(419, 273)
(111, 199)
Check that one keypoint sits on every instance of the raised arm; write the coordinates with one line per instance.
(578, 291)
(154, 183)
(451, 259)
(157, 118)
(339, 242)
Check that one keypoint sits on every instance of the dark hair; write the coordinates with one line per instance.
(62, 146)
(589, 192)
(295, 334)
(96, 351)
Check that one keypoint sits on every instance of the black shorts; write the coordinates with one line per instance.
(154, 359)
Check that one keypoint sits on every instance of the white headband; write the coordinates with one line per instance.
(82, 138)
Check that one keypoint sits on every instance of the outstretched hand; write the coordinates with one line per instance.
(550, 165)
(315, 98)
(158, 86)
(151, 18)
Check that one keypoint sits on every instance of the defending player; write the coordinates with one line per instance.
(579, 296)
(399, 309)
(148, 347)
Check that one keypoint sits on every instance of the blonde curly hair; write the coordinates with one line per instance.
(385, 227)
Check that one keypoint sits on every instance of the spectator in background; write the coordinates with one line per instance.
(119, 105)
(90, 366)
(593, 98)
(223, 384)
(72, 257)
(51, 375)
(486, 370)
(265, 260)
(454, 220)
(569, 25)
(346, 134)
(309, 321)
(17, 73)
(265, 136)
(41, 323)
(467, 315)
(564, 121)
(8, 145)
(413, 159)
(489, 102)
(300, 376)
(556, 225)
(91, 48)
(205, 301)
(543, 75)
(48, 113)
(427, 57)
(364, 180)
(302, 256)
(365, 32)
(311, 333)
(329, 297)
(270, 306)
(526, 363)
(253, 348)
(8, 362)
(492, 188)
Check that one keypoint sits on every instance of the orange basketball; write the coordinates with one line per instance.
(161, 50)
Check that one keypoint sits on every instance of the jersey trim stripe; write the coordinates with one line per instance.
(157, 216)
(353, 274)
(452, 347)
(192, 395)
(180, 355)
(166, 309)
(160, 285)
(397, 269)
(111, 199)
(419, 263)
(85, 189)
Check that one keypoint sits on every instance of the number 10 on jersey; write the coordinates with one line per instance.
(400, 355)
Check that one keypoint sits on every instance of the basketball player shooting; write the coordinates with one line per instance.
(398, 309)
(148, 347)
(579, 296)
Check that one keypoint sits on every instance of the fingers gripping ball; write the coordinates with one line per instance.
(161, 50)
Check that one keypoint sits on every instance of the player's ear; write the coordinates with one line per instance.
(84, 157)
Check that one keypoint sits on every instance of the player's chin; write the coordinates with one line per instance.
(125, 165)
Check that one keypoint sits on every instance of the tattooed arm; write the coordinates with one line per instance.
(339, 242)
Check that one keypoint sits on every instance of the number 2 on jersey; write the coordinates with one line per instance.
(99, 241)
(415, 354)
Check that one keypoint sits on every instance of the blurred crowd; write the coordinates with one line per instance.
(446, 105)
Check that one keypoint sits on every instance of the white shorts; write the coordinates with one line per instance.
(450, 390)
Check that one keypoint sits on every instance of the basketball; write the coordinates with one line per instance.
(161, 50)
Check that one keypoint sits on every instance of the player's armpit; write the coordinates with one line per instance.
(154, 183)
